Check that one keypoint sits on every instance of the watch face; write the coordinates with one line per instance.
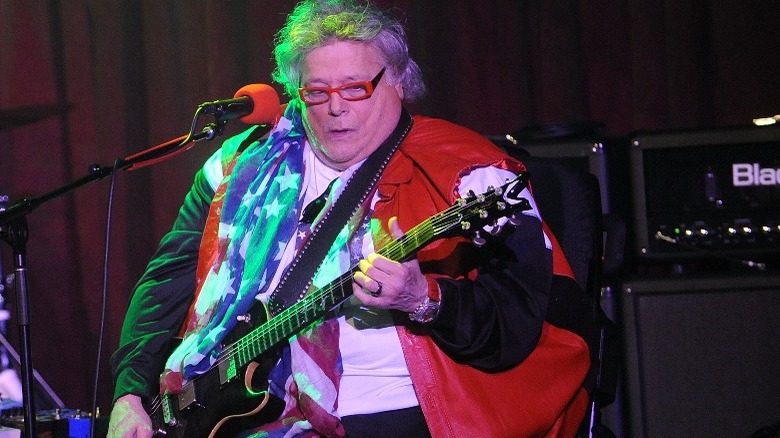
(426, 312)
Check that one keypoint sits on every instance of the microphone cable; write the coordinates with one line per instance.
(107, 246)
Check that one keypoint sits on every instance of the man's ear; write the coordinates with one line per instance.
(399, 88)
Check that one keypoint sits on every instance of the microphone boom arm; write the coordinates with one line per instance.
(147, 157)
(13, 224)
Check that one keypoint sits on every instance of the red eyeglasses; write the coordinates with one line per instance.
(352, 91)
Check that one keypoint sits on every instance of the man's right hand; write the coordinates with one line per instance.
(129, 419)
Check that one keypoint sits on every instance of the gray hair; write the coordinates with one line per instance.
(314, 23)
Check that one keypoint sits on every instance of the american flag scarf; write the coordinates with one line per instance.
(259, 217)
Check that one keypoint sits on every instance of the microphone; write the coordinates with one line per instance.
(254, 104)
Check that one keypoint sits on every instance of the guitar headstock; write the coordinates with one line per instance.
(473, 212)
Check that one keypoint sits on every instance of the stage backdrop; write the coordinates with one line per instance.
(101, 79)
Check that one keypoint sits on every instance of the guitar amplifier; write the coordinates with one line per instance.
(706, 191)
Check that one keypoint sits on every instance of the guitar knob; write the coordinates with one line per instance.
(478, 239)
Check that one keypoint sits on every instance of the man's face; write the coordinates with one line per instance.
(343, 132)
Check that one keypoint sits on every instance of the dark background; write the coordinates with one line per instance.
(120, 76)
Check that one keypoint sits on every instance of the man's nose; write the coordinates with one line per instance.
(336, 104)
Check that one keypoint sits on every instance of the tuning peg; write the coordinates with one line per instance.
(514, 219)
(495, 230)
(497, 190)
(465, 225)
(478, 239)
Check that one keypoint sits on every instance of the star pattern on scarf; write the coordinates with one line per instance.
(287, 180)
(274, 208)
(213, 336)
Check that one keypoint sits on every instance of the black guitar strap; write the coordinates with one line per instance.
(296, 281)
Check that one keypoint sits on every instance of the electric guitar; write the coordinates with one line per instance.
(232, 395)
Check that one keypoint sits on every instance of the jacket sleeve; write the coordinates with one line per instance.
(161, 298)
(494, 321)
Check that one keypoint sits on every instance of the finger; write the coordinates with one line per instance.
(380, 266)
(366, 283)
(365, 264)
(369, 272)
(395, 229)
(361, 279)
(365, 295)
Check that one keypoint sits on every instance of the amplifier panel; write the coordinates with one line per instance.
(713, 191)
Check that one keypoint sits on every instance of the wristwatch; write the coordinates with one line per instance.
(429, 308)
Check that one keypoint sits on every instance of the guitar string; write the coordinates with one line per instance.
(393, 250)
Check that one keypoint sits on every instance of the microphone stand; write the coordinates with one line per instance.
(14, 230)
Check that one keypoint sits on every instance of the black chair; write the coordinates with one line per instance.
(570, 203)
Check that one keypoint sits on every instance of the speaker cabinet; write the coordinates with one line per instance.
(702, 355)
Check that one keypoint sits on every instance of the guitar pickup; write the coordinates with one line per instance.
(227, 370)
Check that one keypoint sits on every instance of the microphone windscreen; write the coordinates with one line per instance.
(266, 104)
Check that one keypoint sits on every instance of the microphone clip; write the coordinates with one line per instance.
(227, 108)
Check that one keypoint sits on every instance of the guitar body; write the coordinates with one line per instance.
(215, 406)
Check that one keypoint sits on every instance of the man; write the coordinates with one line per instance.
(455, 319)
